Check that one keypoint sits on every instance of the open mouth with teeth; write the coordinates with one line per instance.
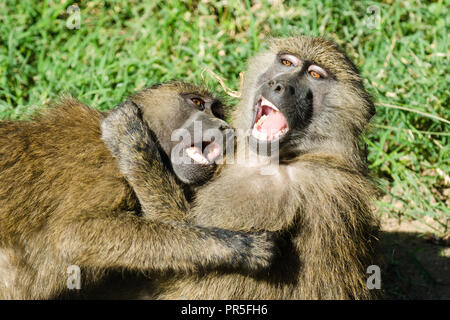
(270, 123)
(205, 155)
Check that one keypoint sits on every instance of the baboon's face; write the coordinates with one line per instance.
(189, 123)
(303, 87)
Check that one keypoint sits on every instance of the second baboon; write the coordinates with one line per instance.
(305, 95)
(64, 202)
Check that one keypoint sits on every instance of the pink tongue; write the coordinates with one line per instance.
(274, 122)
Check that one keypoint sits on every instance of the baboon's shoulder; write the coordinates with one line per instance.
(58, 158)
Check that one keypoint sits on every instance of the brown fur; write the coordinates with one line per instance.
(318, 200)
(63, 201)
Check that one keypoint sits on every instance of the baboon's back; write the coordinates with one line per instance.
(53, 166)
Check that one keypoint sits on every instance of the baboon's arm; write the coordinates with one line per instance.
(130, 141)
(128, 138)
(126, 241)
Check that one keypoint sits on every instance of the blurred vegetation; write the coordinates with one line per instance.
(401, 48)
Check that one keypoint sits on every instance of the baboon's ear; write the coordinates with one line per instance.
(118, 121)
(128, 108)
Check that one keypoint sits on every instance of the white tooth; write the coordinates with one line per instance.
(200, 159)
(190, 153)
(196, 156)
(268, 103)
(261, 120)
(256, 134)
(260, 135)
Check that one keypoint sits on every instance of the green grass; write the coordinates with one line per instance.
(124, 46)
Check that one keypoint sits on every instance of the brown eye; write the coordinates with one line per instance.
(317, 72)
(286, 62)
(315, 75)
(198, 102)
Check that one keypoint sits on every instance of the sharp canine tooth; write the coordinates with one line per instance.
(261, 119)
(264, 101)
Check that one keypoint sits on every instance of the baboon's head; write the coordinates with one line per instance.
(189, 124)
(304, 93)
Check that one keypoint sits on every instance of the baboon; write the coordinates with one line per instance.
(64, 202)
(305, 95)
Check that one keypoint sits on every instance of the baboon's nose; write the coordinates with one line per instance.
(281, 88)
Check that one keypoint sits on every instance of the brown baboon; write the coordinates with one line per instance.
(63, 200)
(307, 96)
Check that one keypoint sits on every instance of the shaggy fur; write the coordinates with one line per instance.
(63, 201)
(318, 200)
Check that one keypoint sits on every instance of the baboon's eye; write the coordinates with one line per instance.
(199, 103)
(289, 60)
(317, 72)
(286, 62)
(314, 74)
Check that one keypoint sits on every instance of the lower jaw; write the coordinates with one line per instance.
(261, 136)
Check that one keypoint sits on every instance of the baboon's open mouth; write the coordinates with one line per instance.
(209, 152)
(270, 123)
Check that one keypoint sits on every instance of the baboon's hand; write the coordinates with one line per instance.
(261, 252)
(251, 252)
(128, 137)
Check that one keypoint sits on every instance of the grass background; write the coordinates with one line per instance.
(401, 48)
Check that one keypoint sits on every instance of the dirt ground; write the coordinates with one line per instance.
(413, 265)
